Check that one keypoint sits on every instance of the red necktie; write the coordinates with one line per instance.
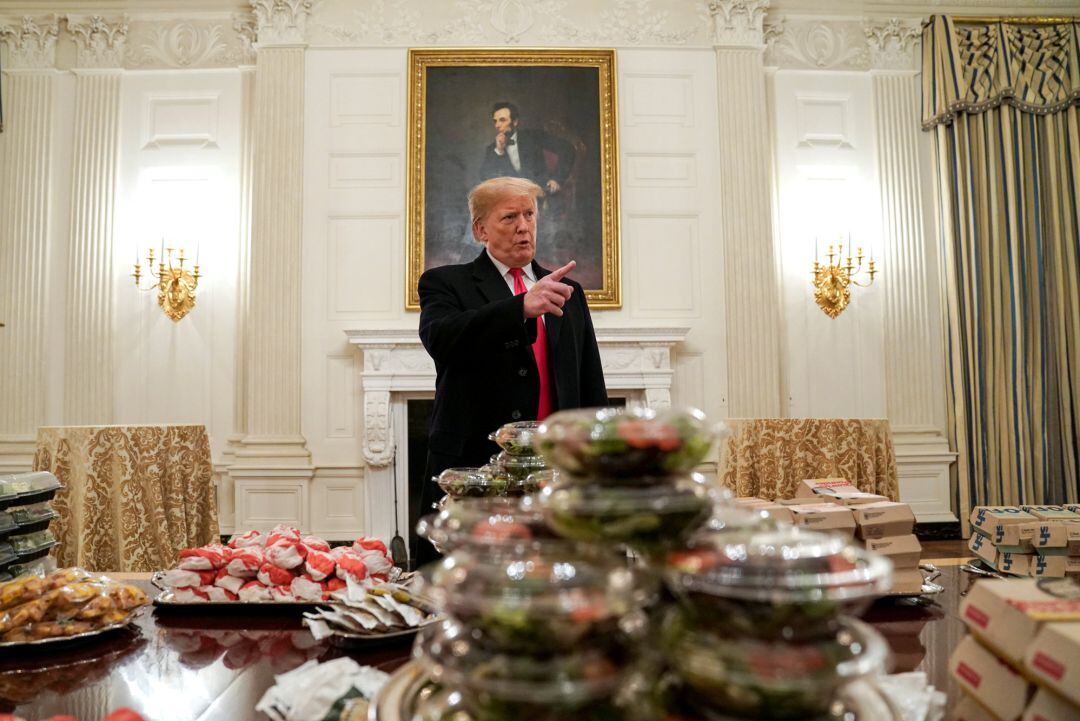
(540, 353)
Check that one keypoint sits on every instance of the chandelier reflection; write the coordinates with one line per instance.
(175, 284)
(832, 280)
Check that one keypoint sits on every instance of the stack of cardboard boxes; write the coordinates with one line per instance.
(834, 505)
(1022, 658)
(1028, 540)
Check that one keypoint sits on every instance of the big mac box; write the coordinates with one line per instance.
(775, 511)
(993, 682)
(826, 517)
(883, 518)
(1053, 566)
(903, 551)
(906, 581)
(968, 709)
(1007, 526)
(835, 490)
(1008, 613)
(1053, 659)
(1048, 537)
(1051, 513)
(1012, 562)
(1048, 706)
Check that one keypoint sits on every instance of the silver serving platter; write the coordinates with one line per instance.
(396, 700)
(347, 639)
(60, 641)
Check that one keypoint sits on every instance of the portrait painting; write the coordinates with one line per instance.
(545, 115)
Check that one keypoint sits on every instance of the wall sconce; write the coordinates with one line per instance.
(175, 284)
(831, 282)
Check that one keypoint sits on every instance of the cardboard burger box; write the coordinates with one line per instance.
(1048, 706)
(968, 709)
(884, 518)
(826, 517)
(836, 490)
(906, 581)
(1012, 562)
(1007, 613)
(1063, 535)
(1005, 525)
(993, 682)
(1054, 566)
(1051, 513)
(1053, 659)
(903, 551)
(749, 501)
(776, 511)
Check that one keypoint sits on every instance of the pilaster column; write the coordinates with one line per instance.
(274, 447)
(25, 185)
(752, 292)
(914, 363)
(88, 363)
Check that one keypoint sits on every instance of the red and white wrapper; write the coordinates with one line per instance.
(340, 551)
(191, 594)
(377, 562)
(232, 584)
(271, 575)
(247, 540)
(334, 584)
(370, 544)
(183, 578)
(319, 565)
(254, 592)
(281, 531)
(245, 562)
(304, 588)
(315, 543)
(281, 593)
(351, 567)
(216, 593)
(206, 558)
(285, 553)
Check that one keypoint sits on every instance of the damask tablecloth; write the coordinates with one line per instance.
(132, 496)
(767, 457)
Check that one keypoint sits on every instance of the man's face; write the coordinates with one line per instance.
(509, 230)
(503, 123)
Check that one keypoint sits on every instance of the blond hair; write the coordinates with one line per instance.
(484, 197)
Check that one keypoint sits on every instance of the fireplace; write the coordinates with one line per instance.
(398, 381)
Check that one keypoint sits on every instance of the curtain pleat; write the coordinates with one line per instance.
(1002, 101)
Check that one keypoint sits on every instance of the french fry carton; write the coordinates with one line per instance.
(1053, 659)
(907, 581)
(1061, 536)
(1006, 525)
(968, 709)
(777, 512)
(884, 518)
(1007, 613)
(1011, 562)
(836, 490)
(1048, 706)
(1054, 566)
(1051, 513)
(824, 517)
(994, 683)
(903, 551)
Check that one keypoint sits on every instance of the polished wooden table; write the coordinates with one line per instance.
(194, 665)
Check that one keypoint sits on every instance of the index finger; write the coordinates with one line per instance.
(558, 274)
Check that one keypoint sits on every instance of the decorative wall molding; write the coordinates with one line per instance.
(187, 44)
(98, 40)
(281, 22)
(816, 44)
(894, 44)
(31, 42)
(246, 30)
(629, 22)
(738, 23)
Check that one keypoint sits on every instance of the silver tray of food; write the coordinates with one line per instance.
(53, 642)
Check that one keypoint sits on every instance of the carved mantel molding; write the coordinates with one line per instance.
(634, 359)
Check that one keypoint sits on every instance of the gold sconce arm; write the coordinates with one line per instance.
(175, 285)
(832, 281)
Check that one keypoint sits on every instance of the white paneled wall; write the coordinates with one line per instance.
(178, 185)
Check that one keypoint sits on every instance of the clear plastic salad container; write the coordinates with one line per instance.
(775, 680)
(536, 600)
(518, 468)
(626, 442)
(459, 657)
(470, 483)
(647, 518)
(517, 439)
(785, 583)
(484, 523)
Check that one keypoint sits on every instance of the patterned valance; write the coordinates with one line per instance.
(969, 68)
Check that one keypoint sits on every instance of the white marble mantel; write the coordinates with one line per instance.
(637, 364)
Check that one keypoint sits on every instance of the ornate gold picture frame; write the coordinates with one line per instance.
(560, 106)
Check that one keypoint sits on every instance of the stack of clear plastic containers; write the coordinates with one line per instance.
(518, 462)
(764, 625)
(25, 515)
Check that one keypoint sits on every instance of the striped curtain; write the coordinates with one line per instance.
(1002, 101)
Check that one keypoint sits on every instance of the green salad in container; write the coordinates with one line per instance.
(775, 680)
(516, 468)
(518, 438)
(647, 518)
(485, 523)
(540, 597)
(784, 583)
(471, 483)
(626, 443)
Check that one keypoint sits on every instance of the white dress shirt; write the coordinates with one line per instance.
(511, 150)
